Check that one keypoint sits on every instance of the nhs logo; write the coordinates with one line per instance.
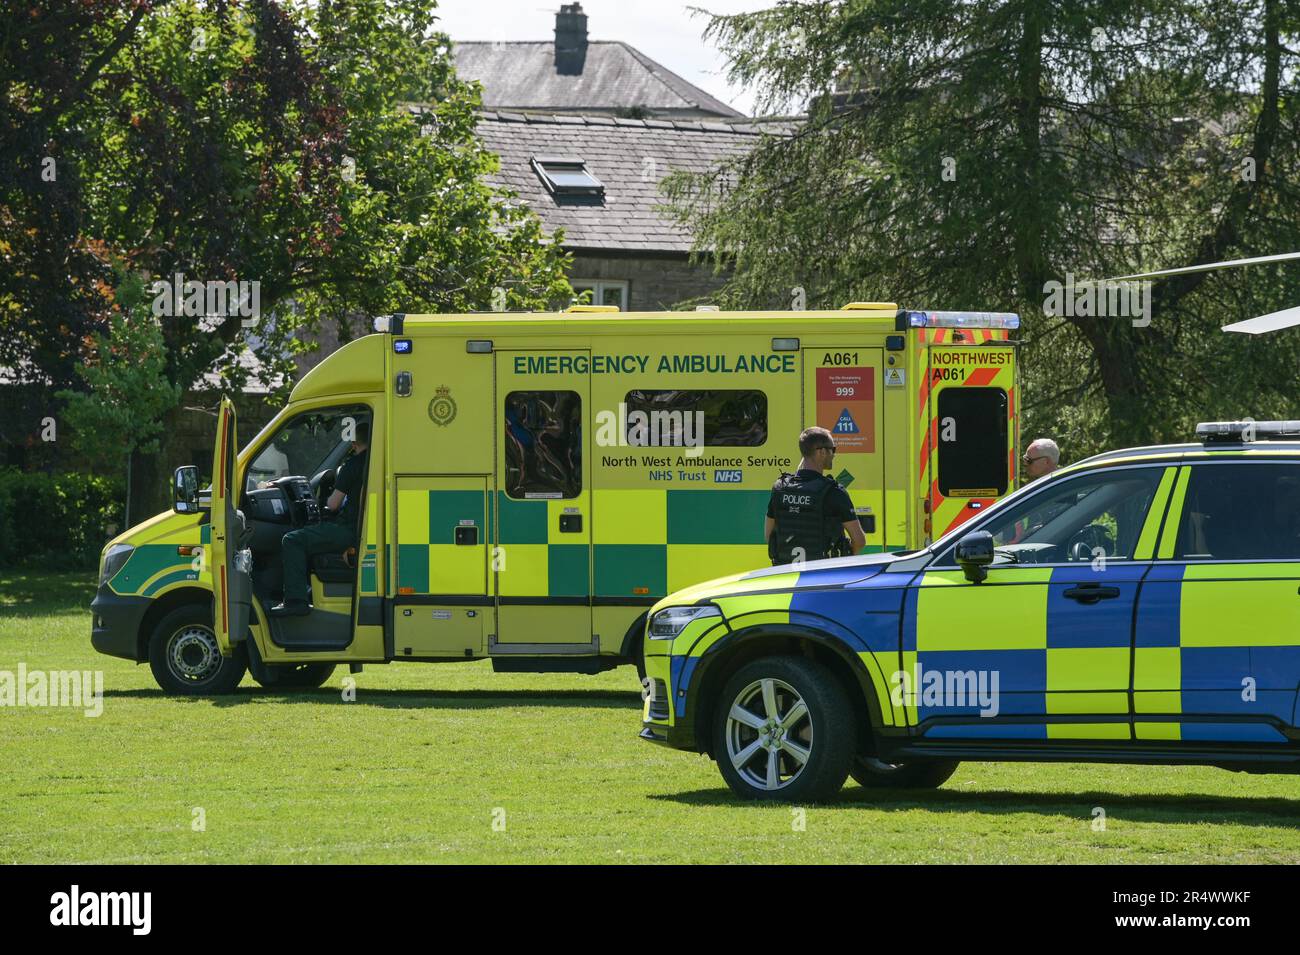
(727, 477)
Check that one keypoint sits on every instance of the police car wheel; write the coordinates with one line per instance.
(873, 773)
(784, 730)
(185, 658)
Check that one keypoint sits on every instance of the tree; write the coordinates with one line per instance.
(261, 141)
(965, 155)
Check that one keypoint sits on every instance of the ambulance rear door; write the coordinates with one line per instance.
(968, 445)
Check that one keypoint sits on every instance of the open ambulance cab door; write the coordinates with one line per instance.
(230, 563)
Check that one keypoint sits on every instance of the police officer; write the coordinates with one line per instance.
(810, 514)
(335, 533)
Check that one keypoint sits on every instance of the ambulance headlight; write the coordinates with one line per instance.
(117, 555)
(668, 623)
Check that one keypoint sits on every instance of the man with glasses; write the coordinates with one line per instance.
(810, 515)
(1041, 457)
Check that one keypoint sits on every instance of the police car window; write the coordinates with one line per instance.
(680, 418)
(972, 442)
(543, 435)
(1075, 520)
(1240, 512)
(305, 444)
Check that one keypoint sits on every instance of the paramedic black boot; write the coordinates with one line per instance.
(291, 608)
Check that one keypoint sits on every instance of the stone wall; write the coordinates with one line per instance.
(654, 283)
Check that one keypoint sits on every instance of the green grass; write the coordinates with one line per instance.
(414, 769)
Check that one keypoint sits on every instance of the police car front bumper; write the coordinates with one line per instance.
(115, 623)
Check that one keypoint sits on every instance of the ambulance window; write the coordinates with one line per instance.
(730, 419)
(972, 432)
(306, 444)
(543, 434)
(1241, 512)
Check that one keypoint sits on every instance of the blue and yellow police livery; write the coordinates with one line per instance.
(1142, 606)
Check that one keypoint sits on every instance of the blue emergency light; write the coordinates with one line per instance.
(402, 346)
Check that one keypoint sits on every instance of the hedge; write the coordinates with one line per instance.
(57, 521)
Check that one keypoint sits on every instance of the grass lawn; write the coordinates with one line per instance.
(428, 757)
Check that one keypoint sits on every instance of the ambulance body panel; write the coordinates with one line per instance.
(513, 509)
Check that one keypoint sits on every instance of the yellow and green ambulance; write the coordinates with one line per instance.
(537, 481)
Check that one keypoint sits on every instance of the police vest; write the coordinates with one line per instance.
(799, 509)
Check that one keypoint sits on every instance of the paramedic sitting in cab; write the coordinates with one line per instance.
(809, 513)
(335, 533)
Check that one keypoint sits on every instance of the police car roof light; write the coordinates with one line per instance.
(1239, 431)
(1009, 320)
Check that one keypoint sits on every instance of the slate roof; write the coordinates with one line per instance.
(629, 156)
(615, 77)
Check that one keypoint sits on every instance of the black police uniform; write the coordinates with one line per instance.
(810, 510)
(333, 535)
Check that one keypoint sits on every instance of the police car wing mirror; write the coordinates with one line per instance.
(974, 553)
(185, 490)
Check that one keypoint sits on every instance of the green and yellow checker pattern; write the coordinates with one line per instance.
(429, 510)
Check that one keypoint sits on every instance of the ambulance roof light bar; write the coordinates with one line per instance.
(1235, 432)
(1008, 320)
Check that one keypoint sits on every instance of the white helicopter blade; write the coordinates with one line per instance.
(1272, 322)
(1207, 267)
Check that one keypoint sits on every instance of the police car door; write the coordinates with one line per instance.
(542, 561)
(842, 393)
(1218, 626)
(1046, 640)
(230, 566)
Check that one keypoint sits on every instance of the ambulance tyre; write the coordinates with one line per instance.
(185, 658)
(291, 676)
(873, 773)
(784, 730)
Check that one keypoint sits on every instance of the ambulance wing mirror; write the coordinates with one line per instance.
(974, 553)
(185, 490)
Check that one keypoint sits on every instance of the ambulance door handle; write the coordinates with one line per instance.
(570, 523)
(1091, 593)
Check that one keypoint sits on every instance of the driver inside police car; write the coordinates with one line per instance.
(336, 532)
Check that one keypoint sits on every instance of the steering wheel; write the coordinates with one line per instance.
(1086, 540)
(323, 482)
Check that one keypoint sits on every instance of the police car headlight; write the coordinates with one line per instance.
(113, 560)
(668, 623)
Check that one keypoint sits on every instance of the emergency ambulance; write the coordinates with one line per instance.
(537, 481)
(1137, 607)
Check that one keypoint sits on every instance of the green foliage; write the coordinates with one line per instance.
(964, 155)
(56, 521)
(127, 394)
(259, 141)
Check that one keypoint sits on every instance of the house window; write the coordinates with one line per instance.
(603, 291)
(567, 176)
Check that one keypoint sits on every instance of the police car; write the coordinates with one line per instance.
(1142, 606)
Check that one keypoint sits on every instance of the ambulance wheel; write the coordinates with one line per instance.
(926, 774)
(185, 658)
(784, 730)
(296, 676)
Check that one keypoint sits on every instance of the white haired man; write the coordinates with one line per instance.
(1041, 457)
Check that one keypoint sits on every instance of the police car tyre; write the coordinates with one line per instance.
(924, 774)
(185, 658)
(784, 729)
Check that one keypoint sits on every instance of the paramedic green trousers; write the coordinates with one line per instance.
(298, 546)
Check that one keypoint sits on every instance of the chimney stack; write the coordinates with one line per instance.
(570, 40)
